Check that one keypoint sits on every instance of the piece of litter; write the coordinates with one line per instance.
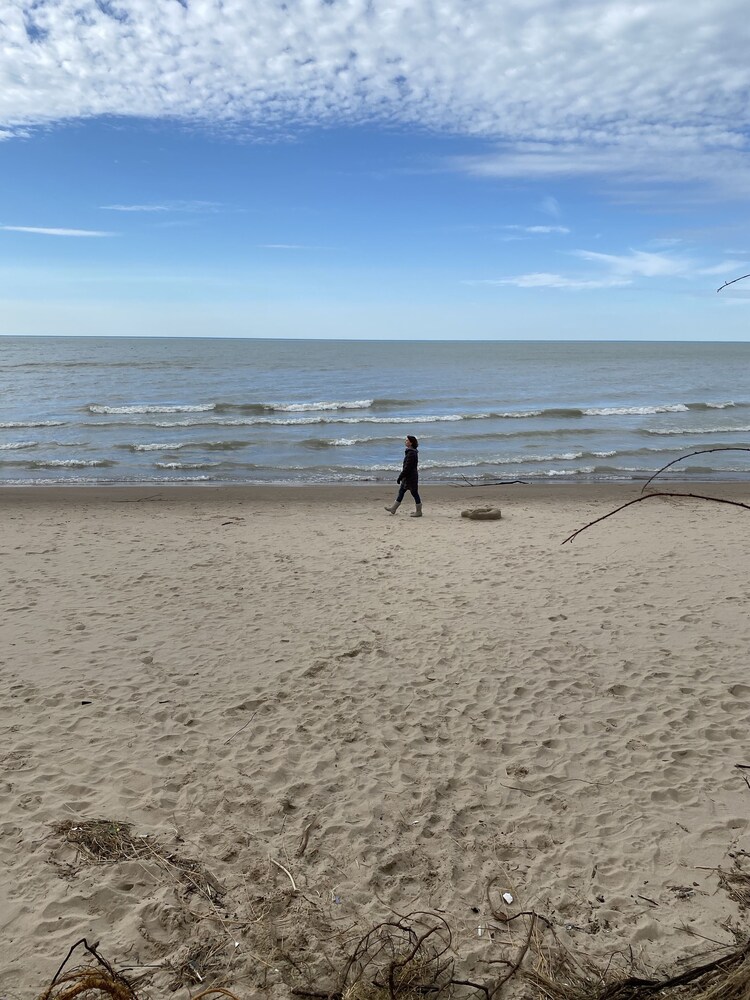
(507, 897)
(480, 931)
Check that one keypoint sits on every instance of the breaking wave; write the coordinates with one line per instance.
(152, 408)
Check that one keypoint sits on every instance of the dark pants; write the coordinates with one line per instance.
(413, 488)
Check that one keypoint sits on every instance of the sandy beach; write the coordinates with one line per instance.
(398, 712)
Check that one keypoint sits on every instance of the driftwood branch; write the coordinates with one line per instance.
(651, 496)
(741, 278)
(493, 482)
(702, 451)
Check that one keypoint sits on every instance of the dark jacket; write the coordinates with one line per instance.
(409, 472)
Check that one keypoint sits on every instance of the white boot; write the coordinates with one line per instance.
(418, 511)
(394, 507)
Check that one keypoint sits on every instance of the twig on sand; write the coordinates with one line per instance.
(651, 496)
(152, 496)
(305, 837)
(286, 872)
(242, 728)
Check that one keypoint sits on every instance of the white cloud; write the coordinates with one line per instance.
(542, 279)
(539, 230)
(167, 206)
(648, 91)
(655, 154)
(618, 270)
(550, 206)
(44, 231)
(726, 268)
(639, 263)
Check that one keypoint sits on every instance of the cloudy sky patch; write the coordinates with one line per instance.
(414, 141)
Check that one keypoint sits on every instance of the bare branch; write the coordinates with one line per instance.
(651, 496)
(703, 451)
(492, 482)
(741, 278)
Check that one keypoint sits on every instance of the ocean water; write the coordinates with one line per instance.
(106, 410)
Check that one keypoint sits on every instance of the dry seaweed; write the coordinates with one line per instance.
(96, 982)
(724, 978)
(736, 883)
(108, 841)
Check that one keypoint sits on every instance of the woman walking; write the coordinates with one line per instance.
(409, 477)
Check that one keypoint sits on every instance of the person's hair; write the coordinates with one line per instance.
(412, 440)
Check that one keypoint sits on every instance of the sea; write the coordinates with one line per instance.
(137, 410)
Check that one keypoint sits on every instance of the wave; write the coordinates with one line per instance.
(617, 411)
(715, 406)
(18, 445)
(187, 465)
(304, 421)
(353, 404)
(152, 408)
(321, 443)
(173, 446)
(179, 445)
(671, 431)
(8, 425)
(70, 463)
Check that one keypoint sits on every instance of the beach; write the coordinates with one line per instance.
(339, 714)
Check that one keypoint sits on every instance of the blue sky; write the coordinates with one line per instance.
(356, 168)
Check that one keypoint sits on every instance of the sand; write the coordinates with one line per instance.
(397, 711)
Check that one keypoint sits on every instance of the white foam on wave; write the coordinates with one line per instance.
(585, 471)
(187, 479)
(697, 430)
(570, 456)
(611, 411)
(16, 445)
(71, 463)
(511, 415)
(155, 447)
(603, 454)
(352, 404)
(186, 465)
(304, 421)
(32, 423)
(153, 408)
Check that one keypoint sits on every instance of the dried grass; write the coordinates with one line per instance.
(102, 841)
(736, 883)
(569, 978)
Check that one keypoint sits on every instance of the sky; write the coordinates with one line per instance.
(430, 169)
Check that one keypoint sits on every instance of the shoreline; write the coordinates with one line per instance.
(345, 493)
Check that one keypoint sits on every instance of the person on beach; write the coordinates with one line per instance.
(409, 477)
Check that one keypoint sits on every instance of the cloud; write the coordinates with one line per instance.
(660, 154)
(542, 279)
(43, 231)
(726, 267)
(539, 230)
(565, 88)
(550, 206)
(167, 206)
(619, 270)
(640, 263)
